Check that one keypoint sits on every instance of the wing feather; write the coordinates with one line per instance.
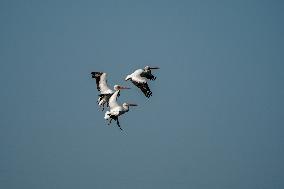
(144, 88)
(101, 82)
(147, 74)
(97, 76)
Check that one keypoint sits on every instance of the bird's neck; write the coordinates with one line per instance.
(116, 93)
(114, 96)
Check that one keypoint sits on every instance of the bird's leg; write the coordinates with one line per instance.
(118, 123)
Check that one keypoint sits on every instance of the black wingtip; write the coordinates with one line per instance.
(93, 74)
(96, 74)
(149, 94)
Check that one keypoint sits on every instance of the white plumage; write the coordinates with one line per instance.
(139, 78)
(103, 88)
(136, 76)
(116, 110)
(108, 96)
(103, 85)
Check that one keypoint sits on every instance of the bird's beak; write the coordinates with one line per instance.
(132, 104)
(154, 68)
(124, 87)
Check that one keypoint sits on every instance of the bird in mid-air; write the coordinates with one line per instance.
(103, 88)
(116, 110)
(139, 78)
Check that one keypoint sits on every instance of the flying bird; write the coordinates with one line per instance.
(116, 110)
(103, 88)
(139, 79)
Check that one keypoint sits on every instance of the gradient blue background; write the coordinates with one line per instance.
(215, 119)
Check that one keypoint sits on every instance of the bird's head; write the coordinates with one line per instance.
(128, 104)
(151, 68)
(128, 78)
(118, 87)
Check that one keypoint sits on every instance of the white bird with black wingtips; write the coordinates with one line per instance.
(117, 110)
(103, 88)
(139, 79)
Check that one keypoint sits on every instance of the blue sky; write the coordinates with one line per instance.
(215, 119)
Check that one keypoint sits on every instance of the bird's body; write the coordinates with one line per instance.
(116, 110)
(139, 78)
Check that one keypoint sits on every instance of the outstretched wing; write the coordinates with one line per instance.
(143, 87)
(97, 76)
(101, 82)
(140, 82)
(106, 97)
(147, 74)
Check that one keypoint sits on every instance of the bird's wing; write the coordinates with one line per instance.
(140, 82)
(106, 97)
(147, 74)
(136, 76)
(97, 76)
(101, 82)
(104, 88)
(143, 87)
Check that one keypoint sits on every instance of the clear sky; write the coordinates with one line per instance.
(215, 119)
